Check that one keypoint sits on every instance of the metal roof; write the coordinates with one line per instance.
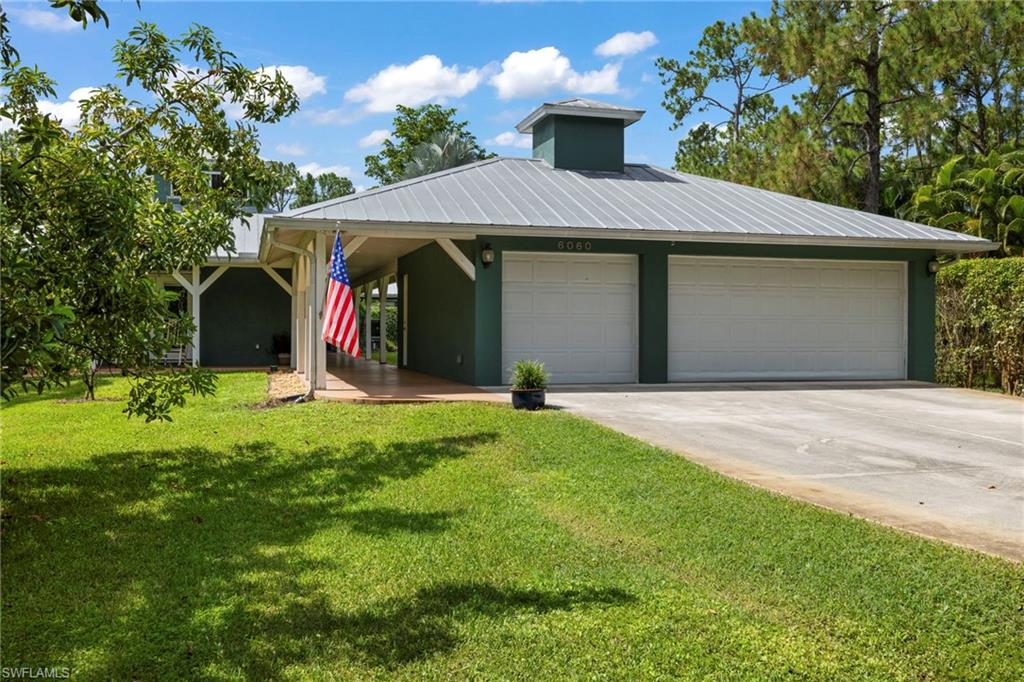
(580, 106)
(527, 196)
(247, 240)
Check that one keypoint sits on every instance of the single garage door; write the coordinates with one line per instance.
(576, 313)
(738, 318)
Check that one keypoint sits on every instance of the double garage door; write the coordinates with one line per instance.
(728, 318)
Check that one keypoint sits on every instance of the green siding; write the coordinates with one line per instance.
(653, 360)
(579, 143)
(920, 320)
(242, 309)
(440, 314)
(544, 140)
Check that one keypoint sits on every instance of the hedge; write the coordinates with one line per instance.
(979, 336)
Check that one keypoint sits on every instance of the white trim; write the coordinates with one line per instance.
(458, 258)
(278, 278)
(182, 281)
(214, 276)
(382, 313)
(463, 231)
(196, 298)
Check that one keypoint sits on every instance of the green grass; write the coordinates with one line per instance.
(327, 541)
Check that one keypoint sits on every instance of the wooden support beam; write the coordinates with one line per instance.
(278, 278)
(185, 284)
(214, 276)
(354, 245)
(458, 257)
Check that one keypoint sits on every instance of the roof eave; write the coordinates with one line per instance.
(468, 231)
(627, 116)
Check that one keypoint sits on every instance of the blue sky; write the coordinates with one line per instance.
(351, 62)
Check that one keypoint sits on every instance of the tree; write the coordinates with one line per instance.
(983, 196)
(411, 128)
(283, 194)
(82, 230)
(869, 56)
(980, 73)
(722, 58)
(441, 152)
(312, 190)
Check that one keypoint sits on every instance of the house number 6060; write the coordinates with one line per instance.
(564, 245)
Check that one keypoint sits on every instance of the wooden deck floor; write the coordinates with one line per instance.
(368, 381)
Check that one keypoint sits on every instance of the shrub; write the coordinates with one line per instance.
(529, 375)
(979, 338)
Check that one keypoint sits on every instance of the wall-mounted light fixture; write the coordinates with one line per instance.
(487, 255)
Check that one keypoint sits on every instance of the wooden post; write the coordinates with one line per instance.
(356, 292)
(367, 339)
(404, 293)
(383, 297)
(196, 296)
(294, 316)
(320, 290)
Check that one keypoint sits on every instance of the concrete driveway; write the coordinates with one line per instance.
(941, 462)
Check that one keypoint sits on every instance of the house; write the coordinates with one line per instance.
(606, 271)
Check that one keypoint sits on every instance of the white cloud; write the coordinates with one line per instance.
(536, 72)
(374, 138)
(425, 80)
(625, 44)
(291, 149)
(338, 116)
(315, 168)
(43, 20)
(511, 139)
(67, 112)
(305, 82)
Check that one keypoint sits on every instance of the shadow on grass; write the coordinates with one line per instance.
(384, 521)
(410, 628)
(72, 392)
(173, 563)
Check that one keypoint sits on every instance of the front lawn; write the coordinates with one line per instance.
(326, 541)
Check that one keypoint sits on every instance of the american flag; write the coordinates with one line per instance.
(341, 328)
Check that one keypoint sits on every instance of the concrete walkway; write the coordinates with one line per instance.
(368, 381)
(945, 463)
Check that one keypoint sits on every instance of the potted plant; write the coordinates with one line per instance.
(282, 347)
(529, 379)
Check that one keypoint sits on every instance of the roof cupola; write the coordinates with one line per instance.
(580, 134)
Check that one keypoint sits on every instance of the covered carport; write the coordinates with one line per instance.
(371, 254)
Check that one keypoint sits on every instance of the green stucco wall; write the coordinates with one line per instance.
(653, 313)
(579, 143)
(441, 312)
(242, 309)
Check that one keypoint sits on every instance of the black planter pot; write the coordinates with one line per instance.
(528, 398)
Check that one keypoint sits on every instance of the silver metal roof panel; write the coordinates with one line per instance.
(528, 193)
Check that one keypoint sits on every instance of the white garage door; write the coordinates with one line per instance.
(736, 318)
(576, 313)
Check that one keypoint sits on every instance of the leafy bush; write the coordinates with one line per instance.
(983, 196)
(529, 375)
(979, 338)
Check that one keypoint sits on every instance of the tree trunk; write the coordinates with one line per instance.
(873, 131)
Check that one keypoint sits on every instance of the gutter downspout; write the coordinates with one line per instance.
(310, 395)
(934, 265)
